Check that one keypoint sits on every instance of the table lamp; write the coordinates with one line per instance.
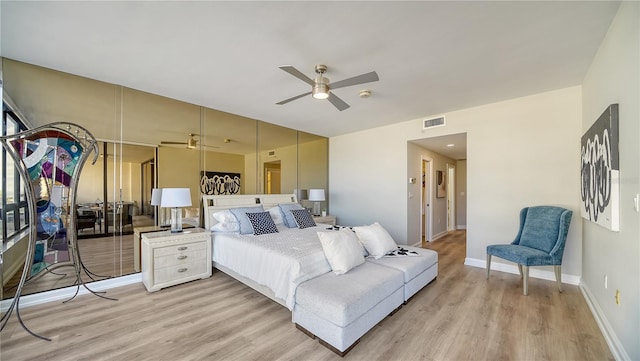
(175, 198)
(156, 197)
(316, 196)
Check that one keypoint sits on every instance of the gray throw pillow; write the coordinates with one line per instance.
(241, 215)
(286, 208)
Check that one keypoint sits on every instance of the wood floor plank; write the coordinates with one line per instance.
(459, 316)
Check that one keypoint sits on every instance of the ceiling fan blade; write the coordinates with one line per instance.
(297, 73)
(337, 102)
(360, 79)
(163, 142)
(293, 98)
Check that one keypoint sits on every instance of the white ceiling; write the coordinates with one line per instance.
(431, 57)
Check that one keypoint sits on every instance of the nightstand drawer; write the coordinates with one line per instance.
(162, 259)
(175, 273)
(181, 248)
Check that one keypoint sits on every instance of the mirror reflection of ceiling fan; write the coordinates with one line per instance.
(320, 86)
(191, 142)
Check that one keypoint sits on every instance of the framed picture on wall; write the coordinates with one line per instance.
(441, 185)
(600, 171)
(215, 183)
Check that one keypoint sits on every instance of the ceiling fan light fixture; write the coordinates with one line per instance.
(320, 89)
(320, 86)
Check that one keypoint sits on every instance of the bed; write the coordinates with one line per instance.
(291, 267)
(273, 264)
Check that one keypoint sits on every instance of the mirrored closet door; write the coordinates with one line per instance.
(148, 141)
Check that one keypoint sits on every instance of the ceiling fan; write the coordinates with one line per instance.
(191, 142)
(320, 86)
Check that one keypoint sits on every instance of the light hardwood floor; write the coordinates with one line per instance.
(98, 257)
(460, 316)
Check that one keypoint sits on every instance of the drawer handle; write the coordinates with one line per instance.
(182, 270)
(183, 248)
(182, 257)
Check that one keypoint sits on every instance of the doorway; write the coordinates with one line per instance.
(426, 217)
(272, 177)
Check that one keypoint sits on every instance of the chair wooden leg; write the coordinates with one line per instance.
(525, 278)
(488, 264)
(558, 277)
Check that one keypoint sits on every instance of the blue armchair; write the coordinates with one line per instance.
(540, 242)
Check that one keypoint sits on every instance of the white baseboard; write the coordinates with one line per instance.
(609, 334)
(68, 292)
(461, 226)
(513, 268)
(439, 235)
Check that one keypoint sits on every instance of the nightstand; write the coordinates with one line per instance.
(325, 220)
(172, 258)
(137, 241)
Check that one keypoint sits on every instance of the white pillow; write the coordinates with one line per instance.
(276, 215)
(376, 240)
(224, 216)
(342, 249)
(226, 227)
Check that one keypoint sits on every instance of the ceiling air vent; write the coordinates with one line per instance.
(271, 153)
(435, 122)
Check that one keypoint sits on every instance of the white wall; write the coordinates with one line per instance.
(461, 194)
(520, 152)
(368, 179)
(614, 77)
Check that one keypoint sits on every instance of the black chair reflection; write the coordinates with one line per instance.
(85, 218)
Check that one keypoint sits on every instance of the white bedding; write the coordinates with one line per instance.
(279, 261)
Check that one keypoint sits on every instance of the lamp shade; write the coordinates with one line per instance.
(156, 196)
(316, 195)
(175, 197)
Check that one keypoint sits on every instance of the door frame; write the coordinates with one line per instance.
(451, 197)
(426, 197)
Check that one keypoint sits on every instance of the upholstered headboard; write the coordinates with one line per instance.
(214, 204)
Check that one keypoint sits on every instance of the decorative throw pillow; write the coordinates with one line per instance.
(286, 208)
(262, 223)
(342, 249)
(376, 240)
(276, 214)
(240, 214)
(303, 218)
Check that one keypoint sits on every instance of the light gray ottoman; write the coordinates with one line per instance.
(339, 309)
(418, 270)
